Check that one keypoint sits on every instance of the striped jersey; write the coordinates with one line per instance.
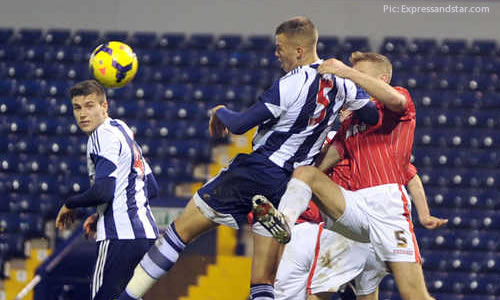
(378, 154)
(113, 152)
(304, 105)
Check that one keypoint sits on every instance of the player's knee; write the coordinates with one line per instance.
(305, 173)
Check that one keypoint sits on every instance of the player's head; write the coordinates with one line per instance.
(90, 107)
(373, 64)
(296, 41)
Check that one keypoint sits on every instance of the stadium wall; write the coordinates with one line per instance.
(333, 17)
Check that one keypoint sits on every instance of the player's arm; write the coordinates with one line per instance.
(152, 187)
(377, 88)
(107, 148)
(417, 192)
(238, 122)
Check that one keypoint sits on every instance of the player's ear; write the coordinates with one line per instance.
(300, 52)
(385, 77)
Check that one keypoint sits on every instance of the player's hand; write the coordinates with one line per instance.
(65, 217)
(431, 222)
(216, 128)
(90, 226)
(335, 67)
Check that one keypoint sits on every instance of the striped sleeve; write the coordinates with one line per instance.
(355, 97)
(105, 152)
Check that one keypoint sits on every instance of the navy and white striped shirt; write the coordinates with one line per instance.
(304, 104)
(113, 152)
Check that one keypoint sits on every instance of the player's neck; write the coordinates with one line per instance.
(309, 59)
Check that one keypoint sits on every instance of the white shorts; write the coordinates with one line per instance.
(374, 271)
(382, 214)
(318, 260)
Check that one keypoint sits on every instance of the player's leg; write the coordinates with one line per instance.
(409, 278)
(265, 261)
(165, 252)
(295, 264)
(307, 180)
(115, 266)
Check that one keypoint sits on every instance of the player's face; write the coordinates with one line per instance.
(287, 52)
(89, 111)
(369, 68)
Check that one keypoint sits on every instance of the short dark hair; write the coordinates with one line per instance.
(298, 26)
(87, 87)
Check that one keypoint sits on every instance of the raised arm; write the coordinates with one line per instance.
(375, 87)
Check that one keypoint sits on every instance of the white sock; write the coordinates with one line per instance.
(295, 200)
(140, 283)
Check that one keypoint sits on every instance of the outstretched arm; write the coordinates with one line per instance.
(375, 87)
(416, 189)
(223, 119)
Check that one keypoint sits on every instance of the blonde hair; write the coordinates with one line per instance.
(382, 61)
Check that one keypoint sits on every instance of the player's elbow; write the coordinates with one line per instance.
(105, 189)
(397, 103)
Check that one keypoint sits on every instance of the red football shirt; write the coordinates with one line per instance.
(378, 154)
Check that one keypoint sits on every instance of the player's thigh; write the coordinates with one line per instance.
(295, 264)
(192, 222)
(115, 266)
(409, 278)
(328, 195)
(265, 260)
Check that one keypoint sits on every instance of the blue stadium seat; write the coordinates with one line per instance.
(423, 46)
(203, 92)
(10, 52)
(194, 75)
(490, 100)
(147, 91)
(7, 87)
(453, 46)
(352, 44)
(48, 205)
(31, 225)
(467, 64)
(57, 37)
(30, 88)
(18, 125)
(397, 45)
(201, 41)
(143, 40)
(262, 43)
(11, 163)
(10, 106)
(483, 47)
(87, 38)
(229, 41)
(13, 245)
(28, 36)
(20, 70)
(151, 57)
(166, 74)
(241, 59)
(175, 92)
(121, 36)
(9, 222)
(121, 94)
(6, 35)
(328, 46)
(172, 40)
(36, 53)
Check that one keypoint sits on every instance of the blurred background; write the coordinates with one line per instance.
(194, 54)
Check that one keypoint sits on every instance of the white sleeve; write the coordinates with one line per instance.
(282, 93)
(355, 96)
(105, 152)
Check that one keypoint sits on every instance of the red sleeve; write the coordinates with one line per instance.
(410, 106)
(411, 171)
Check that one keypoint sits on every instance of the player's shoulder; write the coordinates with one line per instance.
(295, 75)
(108, 129)
(407, 95)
